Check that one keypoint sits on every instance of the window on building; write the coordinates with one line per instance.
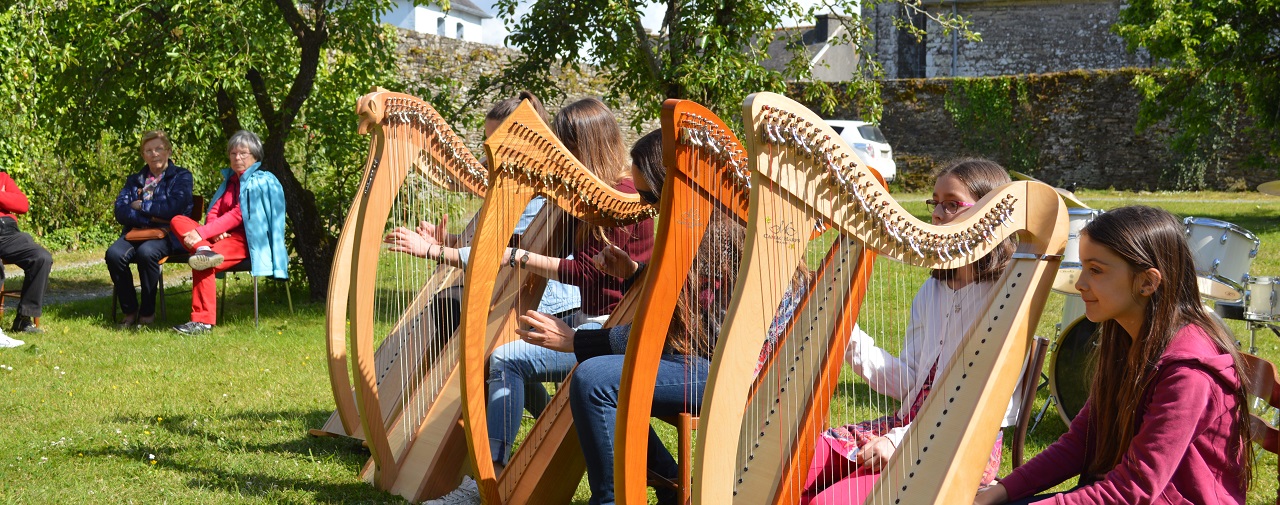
(440, 27)
(459, 31)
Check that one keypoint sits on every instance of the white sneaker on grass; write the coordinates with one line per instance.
(467, 493)
(7, 342)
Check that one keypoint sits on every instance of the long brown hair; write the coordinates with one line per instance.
(702, 302)
(504, 108)
(979, 176)
(590, 131)
(1147, 237)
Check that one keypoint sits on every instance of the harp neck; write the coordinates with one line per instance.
(443, 156)
(524, 148)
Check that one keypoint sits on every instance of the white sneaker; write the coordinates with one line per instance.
(467, 493)
(8, 342)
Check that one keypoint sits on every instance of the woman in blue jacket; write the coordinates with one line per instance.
(150, 198)
(246, 221)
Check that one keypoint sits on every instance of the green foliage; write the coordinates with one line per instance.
(993, 115)
(1211, 57)
(714, 53)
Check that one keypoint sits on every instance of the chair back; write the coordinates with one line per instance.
(1264, 383)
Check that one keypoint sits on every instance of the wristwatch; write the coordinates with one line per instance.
(524, 260)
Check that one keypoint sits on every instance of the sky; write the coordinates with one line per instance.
(495, 32)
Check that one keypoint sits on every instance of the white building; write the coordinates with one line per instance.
(464, 21)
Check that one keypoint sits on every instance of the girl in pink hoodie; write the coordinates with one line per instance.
(1166, 421)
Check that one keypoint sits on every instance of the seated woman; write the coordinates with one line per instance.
(518, 369)
(149, 199)
(1167, 419)
(245, 221)
(847, 459)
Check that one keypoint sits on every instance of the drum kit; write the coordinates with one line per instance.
(1223, 253)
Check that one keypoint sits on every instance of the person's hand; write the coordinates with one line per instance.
(546, 331)
(614, 261)
(406, 241)
(434, 232)
(875, 454)
(994, 494)
(136, 205)
(191, 238)
(220, 236)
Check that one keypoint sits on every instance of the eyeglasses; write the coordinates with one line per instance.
(235, 156)
(948, 206)
(153, 152)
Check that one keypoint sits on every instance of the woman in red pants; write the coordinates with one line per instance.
(245, 221)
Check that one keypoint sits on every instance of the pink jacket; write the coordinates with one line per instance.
(1182, 451)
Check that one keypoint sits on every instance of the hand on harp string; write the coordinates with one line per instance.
(414, 243)
(546, 331)
(614, 261)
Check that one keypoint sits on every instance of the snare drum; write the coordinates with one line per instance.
(1260, 299)
(1069, 270)
(1223, 253)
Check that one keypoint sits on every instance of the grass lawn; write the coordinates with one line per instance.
(92, 414)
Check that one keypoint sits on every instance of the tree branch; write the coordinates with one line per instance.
(261, 96)
(294, 18)
(227, 116)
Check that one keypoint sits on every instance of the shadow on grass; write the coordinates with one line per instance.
(206, 456)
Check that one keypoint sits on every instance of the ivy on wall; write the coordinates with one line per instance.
(992, 115)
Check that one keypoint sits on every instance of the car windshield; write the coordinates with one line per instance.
(872, 133)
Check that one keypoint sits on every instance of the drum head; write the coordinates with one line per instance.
(1064, 281)
(1069, 377)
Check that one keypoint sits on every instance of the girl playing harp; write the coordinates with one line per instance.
(847, 459)
(434, 241)
(1166, 420)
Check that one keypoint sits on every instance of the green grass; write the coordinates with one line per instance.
(86, 407)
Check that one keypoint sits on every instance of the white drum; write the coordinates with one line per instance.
(1072, 309)
(1260, 299)
(1223, 253)
(1069, 270)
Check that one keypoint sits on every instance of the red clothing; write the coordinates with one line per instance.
(204, 284)
(601, 292)
(12, 200)
(1182, 451)
(224, 216)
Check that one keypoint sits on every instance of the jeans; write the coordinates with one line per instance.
(593, 397)
(147, 255)
(516, 373)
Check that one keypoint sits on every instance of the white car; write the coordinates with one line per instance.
(866, 140)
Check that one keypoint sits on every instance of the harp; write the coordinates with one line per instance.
(706, 173)
(803, 173)
(407, 391)
(458, 171)
(528, 161)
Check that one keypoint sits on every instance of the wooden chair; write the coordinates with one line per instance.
(1029, 384)
(1264, 384)
(685, 424)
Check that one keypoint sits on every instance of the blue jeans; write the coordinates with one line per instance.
(516, 373)
(593, 397)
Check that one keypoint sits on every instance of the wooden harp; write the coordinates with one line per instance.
(458, 171)
(802, 173)
(706, 173)
(528, 161)
(406, 392)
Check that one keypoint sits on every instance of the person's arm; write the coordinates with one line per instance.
(177, 199)
(1171, 420)
(222, 222)
(12, 200)
(124, 211)
(1062, 460)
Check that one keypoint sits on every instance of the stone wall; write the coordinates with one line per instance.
(1018, 37)
(1068, 128)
